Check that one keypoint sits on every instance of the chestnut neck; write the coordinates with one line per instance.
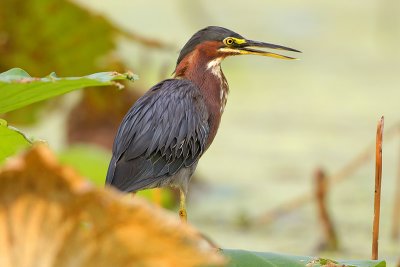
(202, 67)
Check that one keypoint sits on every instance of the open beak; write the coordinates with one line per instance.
(248, 48)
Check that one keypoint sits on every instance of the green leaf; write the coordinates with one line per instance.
(243, 258)
(11, 140)
(18, 89)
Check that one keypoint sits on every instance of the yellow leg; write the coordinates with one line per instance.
(182, 208)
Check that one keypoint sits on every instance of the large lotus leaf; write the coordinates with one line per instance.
(49, 216)
(243, 258)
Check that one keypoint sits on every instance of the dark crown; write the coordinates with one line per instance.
(210, 33)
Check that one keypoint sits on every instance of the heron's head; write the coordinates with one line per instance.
(217, 42)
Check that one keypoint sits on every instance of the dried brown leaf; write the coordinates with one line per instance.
(49, 216)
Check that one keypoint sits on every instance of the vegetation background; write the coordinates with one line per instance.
(282, 121)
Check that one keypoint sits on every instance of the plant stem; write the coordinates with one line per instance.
(330, 241)
(377, 193)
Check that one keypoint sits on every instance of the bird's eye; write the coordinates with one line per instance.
(228, 41)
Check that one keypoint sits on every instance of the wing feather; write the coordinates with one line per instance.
(164, 131)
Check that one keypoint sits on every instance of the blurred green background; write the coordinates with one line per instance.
(283, 119)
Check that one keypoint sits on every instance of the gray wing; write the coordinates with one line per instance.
(164, 131)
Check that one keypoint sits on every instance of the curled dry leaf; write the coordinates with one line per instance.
(49, 216)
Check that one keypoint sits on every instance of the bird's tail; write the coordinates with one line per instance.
(111, 171)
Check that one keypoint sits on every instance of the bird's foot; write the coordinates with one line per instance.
(183, 215)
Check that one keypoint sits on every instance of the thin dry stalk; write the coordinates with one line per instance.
(330, 241)
(377, 193)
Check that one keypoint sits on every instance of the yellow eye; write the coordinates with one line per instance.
(229, 41)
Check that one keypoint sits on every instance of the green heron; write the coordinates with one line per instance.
(164, 134)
